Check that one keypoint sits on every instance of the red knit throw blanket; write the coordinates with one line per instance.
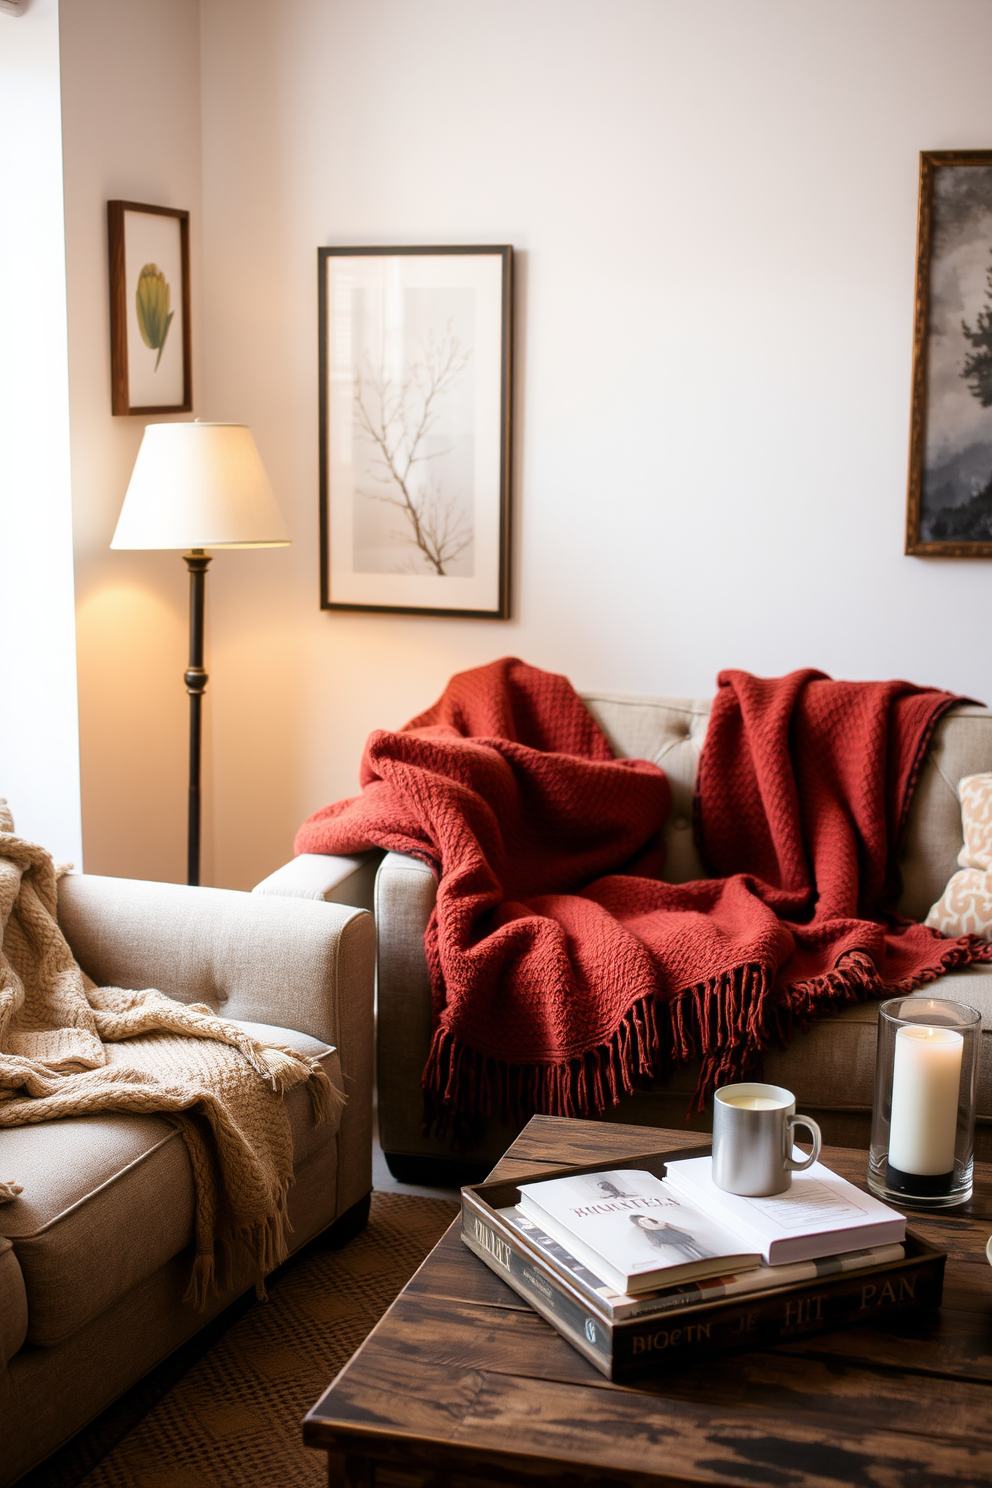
(564, 973)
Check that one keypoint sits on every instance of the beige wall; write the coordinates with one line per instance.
(131, 127)
(714, 209)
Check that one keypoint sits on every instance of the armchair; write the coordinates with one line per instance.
(95, 1253)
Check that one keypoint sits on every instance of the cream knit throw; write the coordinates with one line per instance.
(69, 1048)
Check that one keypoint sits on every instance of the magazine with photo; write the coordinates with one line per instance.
(633, 1230)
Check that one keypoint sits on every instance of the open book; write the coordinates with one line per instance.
(639, 1233)
(819, 1214)
(622, 1306)
(634, 1230)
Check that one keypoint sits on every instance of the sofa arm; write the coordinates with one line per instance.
(337, 880)
(290, 962)
(405, 894)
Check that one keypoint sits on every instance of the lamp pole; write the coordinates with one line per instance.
(197, 561)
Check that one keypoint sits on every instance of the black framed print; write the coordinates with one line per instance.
(415, 372)
(949, 507)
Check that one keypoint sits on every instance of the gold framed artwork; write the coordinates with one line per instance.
(150, 353)
(414, 363)
(949, 508)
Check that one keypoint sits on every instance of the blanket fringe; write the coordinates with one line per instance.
(266, 1245)
(326, 1100)
(201, 1281)
(726, 1023)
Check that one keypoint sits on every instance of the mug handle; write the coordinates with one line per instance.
(791, 1122)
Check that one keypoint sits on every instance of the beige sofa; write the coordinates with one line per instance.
(95, 1254)
(830, 1068)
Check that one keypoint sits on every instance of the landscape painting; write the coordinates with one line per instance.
(414, 403)
(950, 477)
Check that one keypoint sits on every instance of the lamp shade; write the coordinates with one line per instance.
(199, 486)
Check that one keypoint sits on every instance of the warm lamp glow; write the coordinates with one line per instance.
(199, 486)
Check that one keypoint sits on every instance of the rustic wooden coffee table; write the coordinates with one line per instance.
(462, 1384)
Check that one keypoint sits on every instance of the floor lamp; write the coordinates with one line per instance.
(198, 486)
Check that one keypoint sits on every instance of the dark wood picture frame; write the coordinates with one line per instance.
(500, 609)
(935, 522)
(119, 364)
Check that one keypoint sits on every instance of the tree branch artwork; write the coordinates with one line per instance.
(397, 416)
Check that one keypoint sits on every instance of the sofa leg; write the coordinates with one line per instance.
(347, 1225)
(435, 1172)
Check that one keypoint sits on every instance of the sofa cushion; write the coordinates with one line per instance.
(107, 1200)
(975, 795)
(965, 906)
(307, 1136)
(670, 733)
(962, 745)
(831, 1067)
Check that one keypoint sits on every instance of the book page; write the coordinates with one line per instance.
(817, 1204)
(811, 1205)
(636, 1222)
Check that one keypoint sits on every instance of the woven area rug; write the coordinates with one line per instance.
(234, 1417)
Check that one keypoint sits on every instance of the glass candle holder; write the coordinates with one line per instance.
(923, 1118)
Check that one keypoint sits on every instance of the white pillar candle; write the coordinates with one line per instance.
(925, 1078)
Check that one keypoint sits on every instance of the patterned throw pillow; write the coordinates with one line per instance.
(965, 906)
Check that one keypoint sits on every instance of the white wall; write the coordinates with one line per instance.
(714, 208)
(39, 739)
(131, 106)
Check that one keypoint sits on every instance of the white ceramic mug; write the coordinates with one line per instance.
(753, 1129)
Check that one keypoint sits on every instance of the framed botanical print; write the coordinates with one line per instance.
(415, 366)
(150, 354)
(950, 460)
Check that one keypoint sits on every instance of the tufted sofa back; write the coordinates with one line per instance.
(670, 731)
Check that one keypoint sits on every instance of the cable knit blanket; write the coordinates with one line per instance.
(564, 973)
(69, 1048)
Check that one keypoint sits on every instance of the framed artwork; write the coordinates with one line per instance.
(150, 356)
(950, 454)
(415, 348)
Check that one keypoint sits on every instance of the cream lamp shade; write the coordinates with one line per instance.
(199, 486)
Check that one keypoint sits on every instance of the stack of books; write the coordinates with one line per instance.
(650, 1265)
